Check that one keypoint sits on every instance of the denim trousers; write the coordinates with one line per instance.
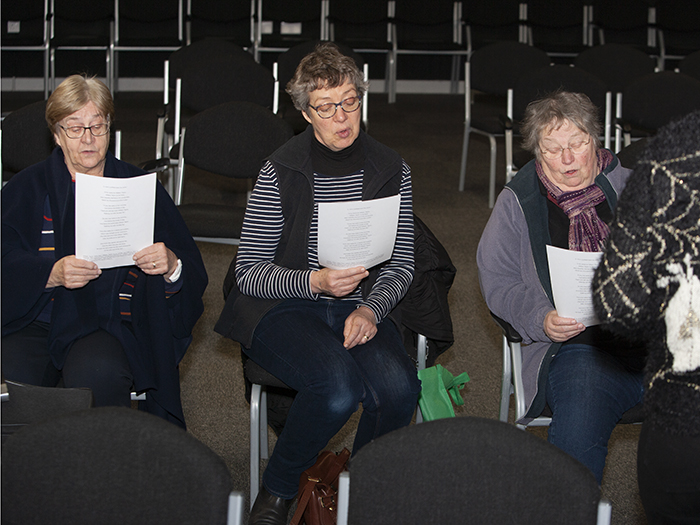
(301, 342)
(588, 390)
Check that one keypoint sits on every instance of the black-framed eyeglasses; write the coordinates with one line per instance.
(77, 132)
(328, 109)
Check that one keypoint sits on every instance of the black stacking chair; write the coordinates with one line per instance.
(280, 24)
(629, 22)
(233, 21)
(113, 466)
(493, 21)
(559, 28)
(364, 26)
(654, 100)
(228, 141)
(25, 38)
(467, 470)
(617, 65)
(26, 139)
(678, 29)
(432, 29)
(488, 75)
(24, 404)
(81, 29)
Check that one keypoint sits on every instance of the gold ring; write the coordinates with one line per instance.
(154, 264)
(366, 338)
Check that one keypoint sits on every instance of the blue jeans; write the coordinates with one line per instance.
(301, 343)
(588, 390)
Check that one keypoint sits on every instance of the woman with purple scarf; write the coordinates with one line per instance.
(565, 198)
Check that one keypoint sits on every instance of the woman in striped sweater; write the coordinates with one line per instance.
(329, 334)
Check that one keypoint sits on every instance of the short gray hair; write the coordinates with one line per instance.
(324, 68)
(550, 113)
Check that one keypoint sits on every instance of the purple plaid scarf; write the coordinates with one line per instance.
(587, 233)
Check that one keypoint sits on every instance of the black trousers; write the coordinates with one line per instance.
(668, 470)
(97, 361)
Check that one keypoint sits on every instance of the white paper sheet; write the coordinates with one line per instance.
(571, 274)
(113, 218)
(358, 233)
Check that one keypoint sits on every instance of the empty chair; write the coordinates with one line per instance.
(81, 37)
(629, 22)
(690, 65)
(617, 65)
(480, 471)
(494, 21)
(26, 139)
(490, 72)
(654, 100)
(678, 29)
(152, 29)
(227, 141)
(281, 24)
(434, 29)
(559, 28)
(113, 466)
(233, 21)
(25, 29)
(364, 26)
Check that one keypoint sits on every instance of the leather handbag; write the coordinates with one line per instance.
(318, 490)
(438, 384)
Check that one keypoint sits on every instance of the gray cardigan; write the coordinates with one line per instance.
(513, 273)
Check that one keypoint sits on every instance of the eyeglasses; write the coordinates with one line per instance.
(576, 148)
(77, 132)
(327, 110)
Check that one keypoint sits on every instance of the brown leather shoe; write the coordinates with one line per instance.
(269, 509)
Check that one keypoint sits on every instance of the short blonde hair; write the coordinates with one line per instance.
(73, 94)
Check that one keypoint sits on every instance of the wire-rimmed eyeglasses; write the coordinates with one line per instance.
(576, 148)
(77, 132)
(328, 109)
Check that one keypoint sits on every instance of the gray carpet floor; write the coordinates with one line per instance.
(427, 131)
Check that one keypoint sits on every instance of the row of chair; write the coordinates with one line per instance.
(634, 98)
(390, 27)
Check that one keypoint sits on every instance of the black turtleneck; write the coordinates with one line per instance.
(337, 163)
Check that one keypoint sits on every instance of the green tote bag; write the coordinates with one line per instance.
(434, 400)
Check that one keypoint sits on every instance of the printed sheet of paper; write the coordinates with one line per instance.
(358, 233)
(113, 218)
(571, 273)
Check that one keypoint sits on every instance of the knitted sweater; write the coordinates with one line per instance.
(648, 286)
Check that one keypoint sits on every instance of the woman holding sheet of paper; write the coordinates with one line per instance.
(112, 330)
(565, 198)
(329, 334)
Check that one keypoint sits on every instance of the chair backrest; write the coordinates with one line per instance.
(155, 23)
(468, 470)
(615, 64)
(493, 21)
(233, 139)
(233, 21)
(111, 466)
(690, 65)
(427, 25)
(82, 22)
(654, 100)
(538, 83)
(362, 24)
(495, 68)
(24, 23)
(560, 28)
(282, 24)
(678, 27)
(623, 22)
(26, 139)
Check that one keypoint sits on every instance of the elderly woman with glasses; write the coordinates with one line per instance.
(331, 335)
(566, 198)
(63, 318)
